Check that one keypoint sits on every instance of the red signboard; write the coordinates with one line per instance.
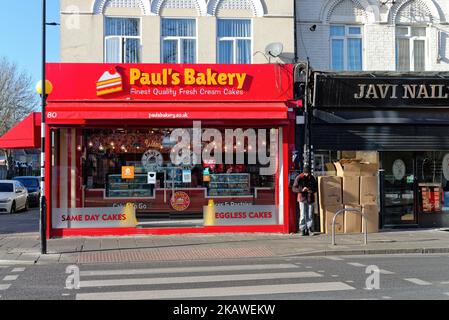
(170, 82)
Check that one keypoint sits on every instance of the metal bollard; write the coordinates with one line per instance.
(349, 210)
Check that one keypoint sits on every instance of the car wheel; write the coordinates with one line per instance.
(13, 208)
(27, 206)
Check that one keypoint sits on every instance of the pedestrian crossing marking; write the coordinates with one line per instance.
(4, 286)
(356, 264)
(217, 292)
(186, 270)
(418, 281)
(18, 270)
(198, 279)
(10, 278)
(334, 258)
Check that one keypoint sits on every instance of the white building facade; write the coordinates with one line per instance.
(175, 31)
(374, 35)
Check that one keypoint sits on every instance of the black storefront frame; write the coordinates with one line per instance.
(413, 125)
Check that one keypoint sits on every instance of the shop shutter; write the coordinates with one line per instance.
(380, 137)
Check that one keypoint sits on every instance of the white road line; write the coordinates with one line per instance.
(10, 278)
(16, 262)
(446, 293)
(386, 297)
(418, 281)
(334, 258)
(334, 275)
(217, 292)
(445, 282)
(382, 271)
(198, 279)
(4, 286)
(186, 269)
(18, 270)
(349, 281)
(356, 264)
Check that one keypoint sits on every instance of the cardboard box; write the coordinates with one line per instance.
(353, 220)
(369, 169)
(322, 220)
(347, 168)
(329, 191)
(369, 190)
(351, 190)
(371, 212)
(339, 223)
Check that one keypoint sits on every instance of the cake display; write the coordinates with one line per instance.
(110, 82)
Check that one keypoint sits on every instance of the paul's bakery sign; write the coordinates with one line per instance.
(162, 82)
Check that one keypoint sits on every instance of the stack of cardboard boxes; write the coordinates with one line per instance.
(355, 186)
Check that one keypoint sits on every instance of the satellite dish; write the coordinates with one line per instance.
(274, 49)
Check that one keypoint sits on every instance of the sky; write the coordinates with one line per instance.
(21, 29)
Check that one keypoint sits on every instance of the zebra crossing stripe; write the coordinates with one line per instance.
(186, 269)
(198, 279)
(217, 292)
(356, 264)
(4, 286)
(418, 281)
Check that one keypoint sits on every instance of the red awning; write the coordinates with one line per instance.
(25, 135)
(63, 111)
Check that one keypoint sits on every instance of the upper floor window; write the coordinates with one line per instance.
(122, 40)
(178, 40)
(411, 48)
(346, 48)
(234, 41)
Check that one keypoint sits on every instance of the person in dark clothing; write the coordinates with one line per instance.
(305, 186)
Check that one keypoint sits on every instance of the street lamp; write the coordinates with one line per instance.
(43, 88)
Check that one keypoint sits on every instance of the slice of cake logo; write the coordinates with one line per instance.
(109, 82)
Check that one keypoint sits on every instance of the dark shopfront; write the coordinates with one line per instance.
(400, 122)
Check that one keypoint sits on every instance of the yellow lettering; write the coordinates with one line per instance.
(201, 79)
(231, 77)
(241, 77)
(189, 76)
(145, 79)
(175, 80)
(134, 74)
(222, 79)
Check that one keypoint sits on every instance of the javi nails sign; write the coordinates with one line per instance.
(381, 91)
(170, 82)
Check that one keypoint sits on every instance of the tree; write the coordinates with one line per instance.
(17, 97)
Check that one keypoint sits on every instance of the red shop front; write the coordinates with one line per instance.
(165, 149)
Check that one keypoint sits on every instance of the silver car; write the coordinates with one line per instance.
(13, 196)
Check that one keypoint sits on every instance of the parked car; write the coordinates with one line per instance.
(33, 186)
(13, 196)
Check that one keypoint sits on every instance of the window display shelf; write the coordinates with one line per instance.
(230, 184)
(133, 188)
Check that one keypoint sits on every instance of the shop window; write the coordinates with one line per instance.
(138, 171)
(346, 48)
(122, 40)
(234, 41)
(178, 40)
(411, 44)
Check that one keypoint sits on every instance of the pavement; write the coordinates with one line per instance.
(19, 244)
